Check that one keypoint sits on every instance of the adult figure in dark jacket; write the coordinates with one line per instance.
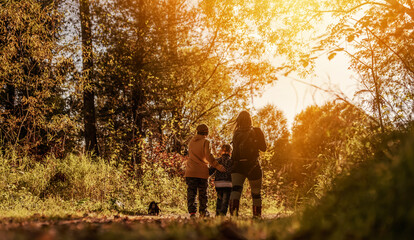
(246, 167)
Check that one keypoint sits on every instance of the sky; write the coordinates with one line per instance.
(291, 96)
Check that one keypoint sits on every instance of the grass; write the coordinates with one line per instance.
(374, 201)
(78, 185)
(81, 198)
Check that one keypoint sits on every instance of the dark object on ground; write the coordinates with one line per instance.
(153, 209)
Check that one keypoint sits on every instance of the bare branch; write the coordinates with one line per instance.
(393, 51)
(376, 85)
(354, 57)
(234, 94)
(354, 8)
(215, 106)
(340, 96)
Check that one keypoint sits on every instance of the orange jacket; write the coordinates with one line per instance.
(199, 158)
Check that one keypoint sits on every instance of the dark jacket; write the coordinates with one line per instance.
(226, 161)
(238, 137)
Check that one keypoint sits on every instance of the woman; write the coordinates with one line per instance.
(247, 141)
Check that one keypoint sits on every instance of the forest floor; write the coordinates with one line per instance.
(120, 226)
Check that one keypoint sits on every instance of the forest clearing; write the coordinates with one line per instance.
(108, 107)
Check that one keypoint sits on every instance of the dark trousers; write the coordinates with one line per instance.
(194, 184)
(223, 197)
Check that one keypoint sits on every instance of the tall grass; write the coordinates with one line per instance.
(373, 201)
(79, 184)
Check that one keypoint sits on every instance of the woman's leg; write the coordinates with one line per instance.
(237, 180)
(256, 187)
(255, 181)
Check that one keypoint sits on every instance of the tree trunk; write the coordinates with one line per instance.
(137, 97)
(8, 104)
(173, 51)
(91, 143)
(172, 29)
(137, 128)
(9, 101)
(377, 90)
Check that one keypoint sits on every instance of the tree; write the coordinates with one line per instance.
(88, 82)
(321, 130)
(273, 123)
(274, 126)
(323, 138)
(381, 53)
(166, 59)
(32, 109)
(376, 35)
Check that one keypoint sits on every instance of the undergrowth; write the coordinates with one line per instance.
(78, 185)
(373, 201)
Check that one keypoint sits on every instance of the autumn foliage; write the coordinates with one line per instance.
(98, 100)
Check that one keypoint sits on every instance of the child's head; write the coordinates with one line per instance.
(202, 129)
(226, 149)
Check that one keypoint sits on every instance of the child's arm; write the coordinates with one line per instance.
(211, 171)
(213, 162)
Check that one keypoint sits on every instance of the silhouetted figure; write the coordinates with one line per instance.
(153, 209)
(247, 141)
(197, 171)
(222, 181)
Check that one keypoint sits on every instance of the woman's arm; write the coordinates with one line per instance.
(261, 142)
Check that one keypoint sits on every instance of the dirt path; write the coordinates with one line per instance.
(120, 227)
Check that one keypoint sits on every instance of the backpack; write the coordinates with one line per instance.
(248, 146)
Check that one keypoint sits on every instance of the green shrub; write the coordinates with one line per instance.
(373, 202)
(82, 184)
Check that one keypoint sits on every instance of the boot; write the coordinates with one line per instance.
(234, 207)
(204, 214)
(257, 211)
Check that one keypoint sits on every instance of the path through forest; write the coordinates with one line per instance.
(132, 227)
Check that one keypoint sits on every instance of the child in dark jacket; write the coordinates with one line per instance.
(222, 181)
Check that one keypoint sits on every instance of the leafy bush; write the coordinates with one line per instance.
(373, 202)
(80, 183)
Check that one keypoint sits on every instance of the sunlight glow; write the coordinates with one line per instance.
(292, 96)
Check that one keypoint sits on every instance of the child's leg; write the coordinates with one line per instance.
(202, 195)
(191, 194)
(225, 200)
(219, 200)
